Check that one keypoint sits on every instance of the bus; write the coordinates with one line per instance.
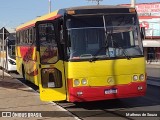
(85, 53)
(7, 56)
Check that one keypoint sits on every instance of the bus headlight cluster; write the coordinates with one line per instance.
(78, 82)
(135, 77)
(140, 77)
(84, 81)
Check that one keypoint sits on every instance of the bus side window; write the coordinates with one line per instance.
(21, 37)
(50, 34)
(27, 36)
(48, 44)
(17, 38)
(34, 35)
(30, 36)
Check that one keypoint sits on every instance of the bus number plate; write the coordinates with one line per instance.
(111, 91)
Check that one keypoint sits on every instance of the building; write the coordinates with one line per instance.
(149, 17)
(7, 35)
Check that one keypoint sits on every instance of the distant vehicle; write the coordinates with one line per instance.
(83, 54)
(7, 57)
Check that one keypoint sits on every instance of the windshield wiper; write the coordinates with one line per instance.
(94, 56)
(114, 42)
(124, 51)
(106, 42)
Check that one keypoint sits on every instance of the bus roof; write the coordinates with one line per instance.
(97, 7)
(78, 10)
(41, 18)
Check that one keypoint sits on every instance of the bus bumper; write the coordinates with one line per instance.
(88, 93)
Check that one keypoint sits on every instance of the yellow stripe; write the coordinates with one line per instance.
(44, 17)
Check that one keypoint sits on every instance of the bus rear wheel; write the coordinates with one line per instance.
(23, 73)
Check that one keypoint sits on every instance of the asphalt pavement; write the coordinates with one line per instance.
(153, 74)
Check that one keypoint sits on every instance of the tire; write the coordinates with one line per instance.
(23, 73)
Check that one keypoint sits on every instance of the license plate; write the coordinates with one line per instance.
(111, 91)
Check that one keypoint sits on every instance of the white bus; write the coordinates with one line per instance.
(7, 56)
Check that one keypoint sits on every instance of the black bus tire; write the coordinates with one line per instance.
(23, 73)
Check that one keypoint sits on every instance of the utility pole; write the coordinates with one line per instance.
(49, 2)
(3, 55)
(133, 2)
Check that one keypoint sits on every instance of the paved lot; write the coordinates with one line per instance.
(153, 74)
(15, 96)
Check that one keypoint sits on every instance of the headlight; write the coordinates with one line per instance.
(84, 81)
(11, 62)
(76, 82)
(135, 77)
(141, 77)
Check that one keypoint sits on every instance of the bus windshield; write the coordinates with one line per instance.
(103, 36)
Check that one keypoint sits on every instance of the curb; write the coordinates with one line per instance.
(152, 65)
(153, 81)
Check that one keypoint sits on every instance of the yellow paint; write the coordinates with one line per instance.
(44, 17)
(53, 94)
(30, 65)
(97, 73)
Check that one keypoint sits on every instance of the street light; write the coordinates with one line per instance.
(133, 2)
(49, 2)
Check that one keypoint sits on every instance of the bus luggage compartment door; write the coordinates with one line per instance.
(52, 82)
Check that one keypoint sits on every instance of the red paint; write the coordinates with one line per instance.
(148, 17)
(97, 93)
(23, 51)
(34, 73)
(27, 53)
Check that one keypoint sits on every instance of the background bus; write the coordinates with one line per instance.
(83, 54)
(7, 57)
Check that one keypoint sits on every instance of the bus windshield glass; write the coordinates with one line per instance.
(103, 36)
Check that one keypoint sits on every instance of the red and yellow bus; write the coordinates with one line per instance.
(82, 54)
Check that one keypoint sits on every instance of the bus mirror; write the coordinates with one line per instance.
(143, 35)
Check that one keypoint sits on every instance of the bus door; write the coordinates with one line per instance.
(51, 67)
